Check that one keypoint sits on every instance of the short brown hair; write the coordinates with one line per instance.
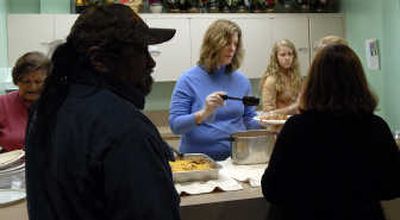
(337, 83)
(30, 62)
(215, 39)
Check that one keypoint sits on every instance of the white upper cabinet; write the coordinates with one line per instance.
(321, 26)
(62, 25)
(43, 32)
(173, 56)
(256, 37)
(198, 27)
(257, 45)
(28, 33)
(295, 29)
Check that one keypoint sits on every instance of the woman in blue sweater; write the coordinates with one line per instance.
(197, 110)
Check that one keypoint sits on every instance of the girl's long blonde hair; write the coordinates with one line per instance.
(274, 69)
(215, 39)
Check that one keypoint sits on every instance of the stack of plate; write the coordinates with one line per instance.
(11, 196)
(12, 169)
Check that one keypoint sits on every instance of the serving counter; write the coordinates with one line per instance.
(244, 204)
(247, 203)
(242, 200)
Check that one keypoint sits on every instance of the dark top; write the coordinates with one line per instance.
(332, 168)
(107, 161)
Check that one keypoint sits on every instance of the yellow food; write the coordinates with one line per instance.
(190, 165)
(274, 117)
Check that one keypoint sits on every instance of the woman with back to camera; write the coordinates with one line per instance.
(28, 75)
(197, 111)
(280, 84)
(337, 159)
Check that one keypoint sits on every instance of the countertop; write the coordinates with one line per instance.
(244, 204)
(247, 192)
(167, 134)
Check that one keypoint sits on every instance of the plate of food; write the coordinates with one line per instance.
(194, 167)
(272, 119)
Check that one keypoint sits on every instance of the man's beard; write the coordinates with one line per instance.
(146, 84)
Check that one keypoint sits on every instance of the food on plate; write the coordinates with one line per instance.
(190, 165)
(274, 117)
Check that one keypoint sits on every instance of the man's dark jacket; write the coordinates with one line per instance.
(106, 161)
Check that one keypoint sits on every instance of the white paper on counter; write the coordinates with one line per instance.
(243, 173)
(223, 182)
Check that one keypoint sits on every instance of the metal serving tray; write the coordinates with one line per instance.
(197, 175)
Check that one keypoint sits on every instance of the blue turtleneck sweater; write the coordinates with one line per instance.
(212, 136)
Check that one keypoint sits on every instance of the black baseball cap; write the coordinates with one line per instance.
(160, 35)
(153, 35)
(123, 21)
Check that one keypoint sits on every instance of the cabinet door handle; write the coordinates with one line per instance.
(303, 49)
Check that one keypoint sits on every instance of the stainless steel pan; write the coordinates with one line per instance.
(252, 146)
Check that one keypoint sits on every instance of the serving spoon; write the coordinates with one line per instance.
(247, 100)
(179, 155)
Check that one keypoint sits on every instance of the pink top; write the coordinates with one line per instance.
(13, 121)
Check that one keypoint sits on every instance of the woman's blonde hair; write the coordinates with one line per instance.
(331, 39)
(274, 69)
(219, 35)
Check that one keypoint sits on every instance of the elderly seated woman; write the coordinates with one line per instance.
(28, 75)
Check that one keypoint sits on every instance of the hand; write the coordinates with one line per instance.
(213, 101)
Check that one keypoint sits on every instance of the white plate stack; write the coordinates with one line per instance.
(11, 196)
(12, 170)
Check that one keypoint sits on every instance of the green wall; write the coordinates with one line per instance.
(375, 19)
(160, 96)
(391, 61)
(39, 6)
(55, 6)
(24, 6)
(364, 21)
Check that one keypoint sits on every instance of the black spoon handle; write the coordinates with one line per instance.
(225, 97)
(247, 100)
